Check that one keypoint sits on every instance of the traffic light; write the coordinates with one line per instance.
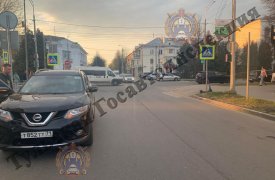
(272, 34)
(209, 39)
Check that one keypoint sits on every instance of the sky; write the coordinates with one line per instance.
(105, 26)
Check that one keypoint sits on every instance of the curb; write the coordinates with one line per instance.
(235, 108)
(188, 80)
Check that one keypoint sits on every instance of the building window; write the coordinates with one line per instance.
(66, 54)
(53, 48)
(151, 61)
(171, 51)
(151, 51)
(160, 51)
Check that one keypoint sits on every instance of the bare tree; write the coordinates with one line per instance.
(270, 6)
(11, 5)
(15, 6)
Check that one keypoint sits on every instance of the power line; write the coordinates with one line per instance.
(107, 27)
(109, 34)
(100, 35)
(222, 7)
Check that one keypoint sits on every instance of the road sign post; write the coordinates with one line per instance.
(221, 31)
(53, 59)
(207, 52)
(8, 21)
(5, 59)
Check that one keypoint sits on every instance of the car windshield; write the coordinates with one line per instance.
(53, 85)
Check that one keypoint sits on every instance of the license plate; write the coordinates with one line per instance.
(33, 135)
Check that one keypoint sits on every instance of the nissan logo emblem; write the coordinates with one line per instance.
(37, 117)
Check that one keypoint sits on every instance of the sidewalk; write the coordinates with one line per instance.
(260, 92)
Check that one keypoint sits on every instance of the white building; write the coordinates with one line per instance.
(153, 55)
(71, 54)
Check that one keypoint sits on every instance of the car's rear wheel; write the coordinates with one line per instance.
(115, 83)
(89, 140)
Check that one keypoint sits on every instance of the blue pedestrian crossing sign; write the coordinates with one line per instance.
(53, 59)
(207, 52)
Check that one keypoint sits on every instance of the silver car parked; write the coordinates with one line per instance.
(169, 77)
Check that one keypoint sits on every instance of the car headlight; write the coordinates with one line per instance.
(76, 112)
(5, 116)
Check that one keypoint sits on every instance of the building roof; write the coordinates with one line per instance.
(57, 38)
(159, 42)
(154, 43)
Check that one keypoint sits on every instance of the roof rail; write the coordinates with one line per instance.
(40, 70)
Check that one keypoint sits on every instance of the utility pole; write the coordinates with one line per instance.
(26, 43)
(204, 40)
(35, 38)
(206, 61)
(233, 61)
(45, 55)
(248, 68)
(9, 47)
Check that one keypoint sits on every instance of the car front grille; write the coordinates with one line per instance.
(44, 116)
(38, 119)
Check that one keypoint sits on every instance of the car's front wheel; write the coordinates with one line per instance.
(115, 83)
(89, 140)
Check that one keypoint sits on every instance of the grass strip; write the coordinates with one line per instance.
(238, 100)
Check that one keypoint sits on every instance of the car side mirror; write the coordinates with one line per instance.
(93, 88)
(5, 90)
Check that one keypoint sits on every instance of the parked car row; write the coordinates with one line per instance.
(127, 78)
(213, 77)
(218, 77)
(160, 76)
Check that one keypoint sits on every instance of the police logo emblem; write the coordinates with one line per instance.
(181, 25)
(72, 160)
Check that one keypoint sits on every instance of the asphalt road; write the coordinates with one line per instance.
(162, 133)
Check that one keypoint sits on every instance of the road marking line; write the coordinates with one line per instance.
(173, 94)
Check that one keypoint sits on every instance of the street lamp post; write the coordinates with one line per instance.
(26, 43)
(233, 61)
(206, 61)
